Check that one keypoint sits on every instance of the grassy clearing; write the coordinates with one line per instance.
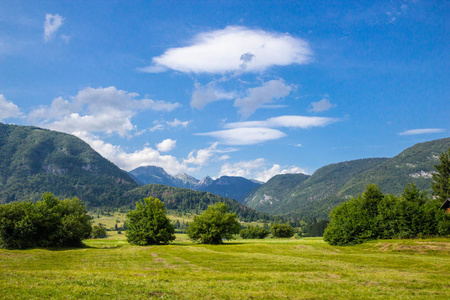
(242, 269)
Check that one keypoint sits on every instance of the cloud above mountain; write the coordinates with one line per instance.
(8, 109)
(233, 49)
(107, 110)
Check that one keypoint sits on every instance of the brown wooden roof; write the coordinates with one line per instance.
(446, 204)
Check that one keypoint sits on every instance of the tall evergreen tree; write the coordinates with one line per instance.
(441, 179)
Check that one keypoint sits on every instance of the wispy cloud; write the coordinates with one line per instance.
(422, 131)
(322, 105)
(233, 49)
(245, 136)
(258, 96)
(178, 123)
(8, 109)
(51, 25)
(204, 95)
(303, 122)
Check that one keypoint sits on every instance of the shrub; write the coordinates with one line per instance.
(98, 232)
(282, 230)
(148, 224)
(214, 225)
(254, 232)
(47, 223)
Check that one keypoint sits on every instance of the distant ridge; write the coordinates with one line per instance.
(314, 197)
(226, 186)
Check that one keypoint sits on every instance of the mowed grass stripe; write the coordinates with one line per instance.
(268, 269)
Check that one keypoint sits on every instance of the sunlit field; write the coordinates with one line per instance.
(241, 269)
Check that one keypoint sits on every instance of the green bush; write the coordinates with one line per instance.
(254, 232)
(47, 223)
(214, 225)
(148, 224)
(282, 230)
(98, 232)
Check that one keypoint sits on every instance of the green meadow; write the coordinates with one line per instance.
(241, 269)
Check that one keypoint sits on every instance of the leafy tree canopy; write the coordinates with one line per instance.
(254, 232)
(148, 223)
(47, 223)
(214, 225)
(282, 230)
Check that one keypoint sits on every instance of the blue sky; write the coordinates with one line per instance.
(241, 88)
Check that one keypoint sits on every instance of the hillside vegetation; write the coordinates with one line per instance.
(35, 160)
(309, 196)
(331, 185)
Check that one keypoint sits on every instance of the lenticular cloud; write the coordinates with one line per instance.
(233, 49)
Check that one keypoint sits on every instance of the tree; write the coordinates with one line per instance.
(148, 223)
(355, 221)
(441, 179)
(47, 223)
(98, 231)
(282, 230)
(214, 225)
(254, 232)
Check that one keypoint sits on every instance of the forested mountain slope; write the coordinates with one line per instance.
(331, 185)
(307, 195)
(35, 160)
(413, 165)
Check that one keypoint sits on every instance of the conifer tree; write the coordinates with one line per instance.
(441, 179)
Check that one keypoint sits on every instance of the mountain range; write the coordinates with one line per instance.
(226, 186)
(35, 160)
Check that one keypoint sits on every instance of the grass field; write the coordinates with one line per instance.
(242, 269)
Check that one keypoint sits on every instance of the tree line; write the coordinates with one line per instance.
(374, 215)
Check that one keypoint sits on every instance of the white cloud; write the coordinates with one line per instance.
(202, 156)
(178, 123)
(148, 156)
(233, 49)
(166, 145)
(322, 105)
(303, 122)
(265, 175)
(96, 110)
(242, 168)
(258, 96)
(8, 109)
(203, 95)
(245, 136)
(51, 25)
(257, 169)
(422, 131)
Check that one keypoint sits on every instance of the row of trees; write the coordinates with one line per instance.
(373, 215)
(149, 225)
